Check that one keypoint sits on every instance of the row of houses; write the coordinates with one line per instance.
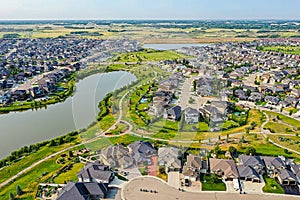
(50, 59)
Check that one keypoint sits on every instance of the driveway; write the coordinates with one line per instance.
(133, 173)
(252, 188)
(174, 179)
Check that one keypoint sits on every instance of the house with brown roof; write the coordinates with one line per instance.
(224, 168)
(192, 168)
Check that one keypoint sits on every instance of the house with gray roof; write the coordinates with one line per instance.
(273, 165)
(83, 191)
(117, 156)
(286, 177)
(295, 168)
(191, 115)
(141, 152)
(247, 173)
(173, 114)
(95, 172)
(253, 161)
(255, 97)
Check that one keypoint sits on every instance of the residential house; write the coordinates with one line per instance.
(240, 94)
(247, 173)
(295, 168)
(273, 165)
(173, 114)
(286, 177)
(225, 168)
(191, 115)
(272, 100)
(117, 156)
(95, 172)
(253, 161)
(142, 152)
(192, 168)
(168, 157)
(255, 97)
(83, 191)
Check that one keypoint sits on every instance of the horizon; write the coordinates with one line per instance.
(146, 10)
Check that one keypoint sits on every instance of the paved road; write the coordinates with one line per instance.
(131, 191)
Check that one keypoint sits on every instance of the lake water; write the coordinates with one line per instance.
(171, 46)
(29, 127)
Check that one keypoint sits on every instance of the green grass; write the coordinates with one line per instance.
(229, 124)
(70, 175)
(291, 142)
(27, 161)
(30, 180)
(278, 127)
(285, 119)
(283, 49)
(212, 183)
(272, 186)
(267, 149)
(201, 126)
(147, 55)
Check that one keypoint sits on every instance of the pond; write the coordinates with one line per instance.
(18, 129)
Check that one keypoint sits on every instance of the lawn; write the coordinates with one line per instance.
(292, 142)
(272, 186)
(276, 127)
(70, 175)
(212, 183)
(285, 119)
(268, 149)
(147, 55)
(27, 161)
(283, 49)
(30, 180)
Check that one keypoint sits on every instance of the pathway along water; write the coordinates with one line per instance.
(29, 127)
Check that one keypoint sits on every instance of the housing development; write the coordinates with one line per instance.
(216, 120)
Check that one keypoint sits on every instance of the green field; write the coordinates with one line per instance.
(70, 175)
(283, 49)
(288, 120)
(147, 55)
(27, 161)
(278, 128)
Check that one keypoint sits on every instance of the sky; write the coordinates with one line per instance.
(149, 9)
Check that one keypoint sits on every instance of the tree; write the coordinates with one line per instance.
(11, 196)
(227, 138)
(195, 85)
(250, 151)
(61, 141)
(19, 190)
(70, 154)
(217, 150)
(232, 150)
(52, 143)
(243, 139)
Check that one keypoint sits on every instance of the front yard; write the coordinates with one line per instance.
(272, 186)
(212, 183)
